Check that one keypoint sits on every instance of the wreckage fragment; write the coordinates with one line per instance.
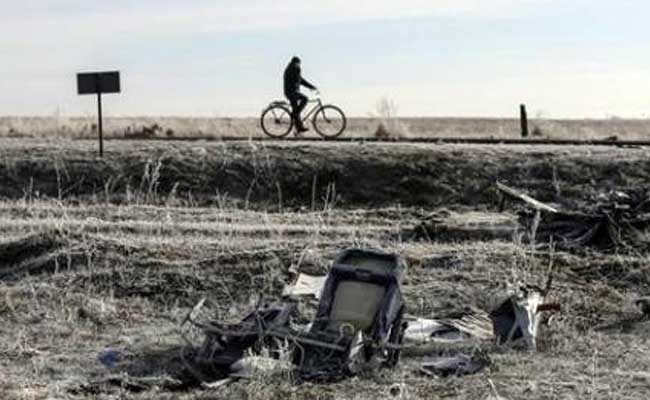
(517, 195)
(458, 365)
(225, 344)
(516, 320)
(251, 366)
(361, 303)
(616, 220)
(305, 285)
(358, 324)
(475, 325)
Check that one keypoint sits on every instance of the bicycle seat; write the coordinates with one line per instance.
(279, 103)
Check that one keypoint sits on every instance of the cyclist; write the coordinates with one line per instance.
(292, 81)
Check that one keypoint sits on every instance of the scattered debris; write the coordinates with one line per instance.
(305, 285)
(361, 303)
(217, 384)
(514, 194)
(252, 366)
(469, 326)
(458, 365)
(358, 324)
(517, 319)
(425, 330)
(615, 221)
(225, 344)
(109, 357)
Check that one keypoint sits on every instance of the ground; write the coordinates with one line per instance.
(107, 256)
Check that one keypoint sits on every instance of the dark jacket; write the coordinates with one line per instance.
(293, 80)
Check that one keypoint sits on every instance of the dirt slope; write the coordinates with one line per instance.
(311, 175)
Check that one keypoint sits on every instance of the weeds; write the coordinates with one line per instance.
(389, 126)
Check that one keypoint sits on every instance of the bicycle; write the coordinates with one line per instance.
(327, 119)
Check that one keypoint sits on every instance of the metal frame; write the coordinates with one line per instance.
(314, 109)
(317, 106)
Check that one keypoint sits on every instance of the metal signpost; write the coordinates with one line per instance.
(99, 83)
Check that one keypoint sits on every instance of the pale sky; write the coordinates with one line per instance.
(564, 58)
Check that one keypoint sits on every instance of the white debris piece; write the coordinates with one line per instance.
(251, 366)
(471, 326)
(306, 285)
(425, 330)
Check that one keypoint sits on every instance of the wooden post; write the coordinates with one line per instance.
(524, 120)
(100, 125)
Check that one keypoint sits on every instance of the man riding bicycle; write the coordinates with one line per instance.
(292, 82)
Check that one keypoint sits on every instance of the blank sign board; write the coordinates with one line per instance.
(98, 82)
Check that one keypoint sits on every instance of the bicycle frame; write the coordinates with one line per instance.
(317, 105)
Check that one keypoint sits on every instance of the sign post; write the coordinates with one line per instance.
(99, 83)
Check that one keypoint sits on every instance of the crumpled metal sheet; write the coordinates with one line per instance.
(476, 325)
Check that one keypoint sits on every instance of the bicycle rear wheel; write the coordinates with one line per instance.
(329, 121)
(276, 121)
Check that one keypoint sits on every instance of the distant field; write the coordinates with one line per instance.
(83, 127)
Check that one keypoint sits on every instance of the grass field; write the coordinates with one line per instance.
(111, 253)
(427, 127)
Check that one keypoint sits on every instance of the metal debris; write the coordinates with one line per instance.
(614, 220)
(252, 366)
(458, 365)
(358, 323)
(361, 308)
(305, 286)
(475, 325)
(517, 319)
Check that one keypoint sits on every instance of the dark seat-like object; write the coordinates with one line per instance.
(361, 306)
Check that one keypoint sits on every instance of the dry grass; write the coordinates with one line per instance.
(81, 274)
(134, 271)
(293, 175)
(386, 115)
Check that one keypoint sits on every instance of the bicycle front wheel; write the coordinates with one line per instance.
(329, 121)
(276, 121)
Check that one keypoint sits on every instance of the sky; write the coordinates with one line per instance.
(225, 58)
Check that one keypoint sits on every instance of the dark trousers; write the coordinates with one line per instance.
(298, 102)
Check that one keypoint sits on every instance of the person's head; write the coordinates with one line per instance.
(295, 60)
